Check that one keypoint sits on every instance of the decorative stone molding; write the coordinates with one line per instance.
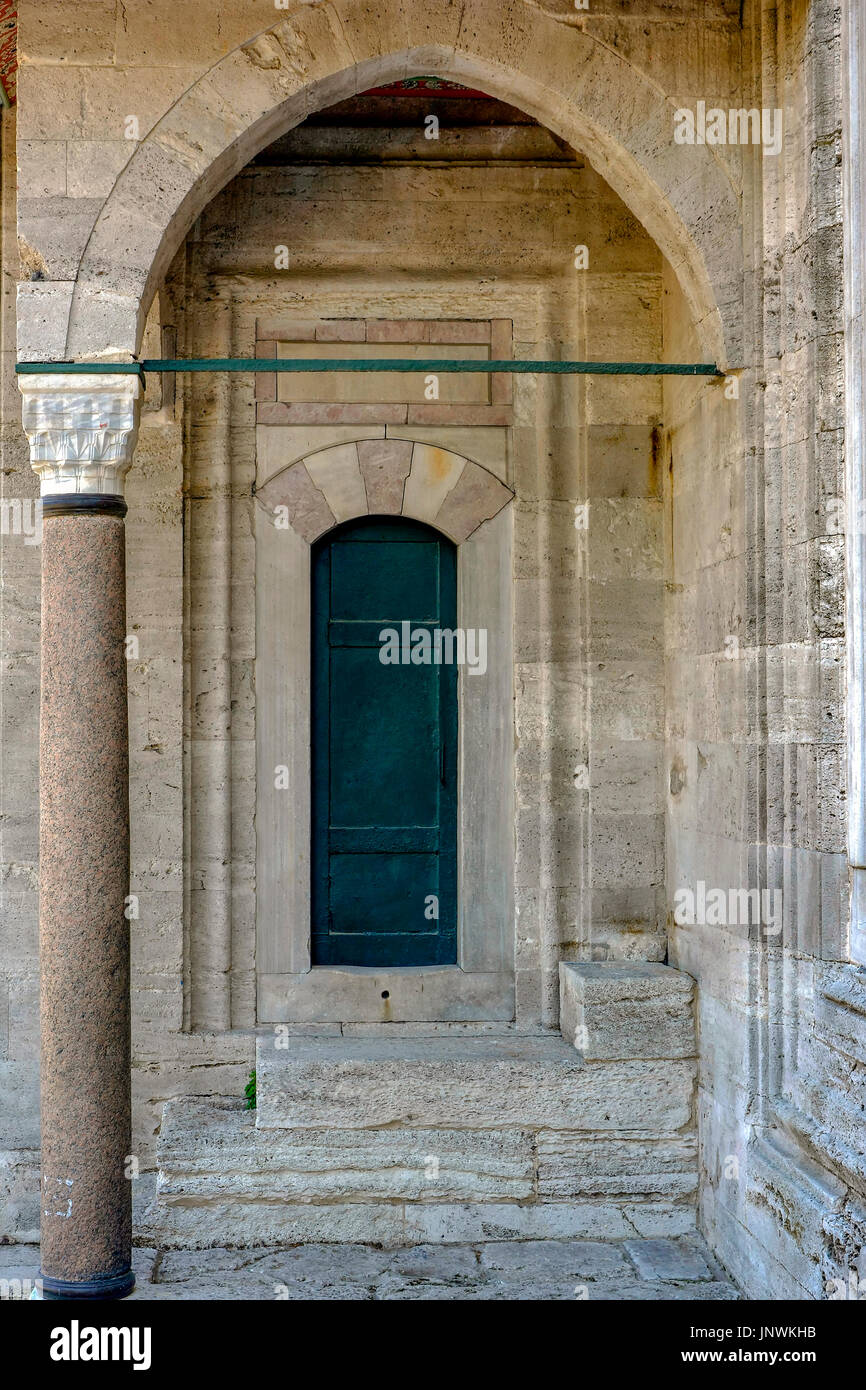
(277, 404)
(385, 477)
(82, 430)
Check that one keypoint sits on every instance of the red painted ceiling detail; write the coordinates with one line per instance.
(9, 47)
(427, 86)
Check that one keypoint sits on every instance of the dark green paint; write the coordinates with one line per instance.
(373, 364)
(384, 749)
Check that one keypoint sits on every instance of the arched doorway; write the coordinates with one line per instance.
(468, 973)
(384, 745)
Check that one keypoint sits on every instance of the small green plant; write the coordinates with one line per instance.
(250, 1091)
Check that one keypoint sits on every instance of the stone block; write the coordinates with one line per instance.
(328, 413)
(178, 1227)
(433, 474)
(92, 166)
(399, 331)
(668, 1259)
(614, 1009)
(20, 1186)
(336, 473)
(580, 1166)
(474, 498)
(578, 1259)
(341, 331)
(469, 415)
(458, 331)
(385, 467)
(503, 1221)
(294, 489)
(286, 331)
(42, 168)
(210, 1153)
(51, 33)
(476, 1083)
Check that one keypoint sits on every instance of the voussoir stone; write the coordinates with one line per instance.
(335, 471)
(385, 467)
(294, 489)
(476, 497)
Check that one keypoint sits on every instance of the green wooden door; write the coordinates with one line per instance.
(384, 749)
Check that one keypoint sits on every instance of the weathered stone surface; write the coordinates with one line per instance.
(501, 1221)
(637, 1009)
(481, 1083)
(528, 1270)
(715, 1291)
(574, 1165)
(208, 1153)
(319, 1265)
(667, 1259)
(579, 1259)
(249, 1224)
(19, 1183)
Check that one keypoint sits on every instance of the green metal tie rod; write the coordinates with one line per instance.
(434, 366)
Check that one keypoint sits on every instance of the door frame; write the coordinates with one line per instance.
(480, 987)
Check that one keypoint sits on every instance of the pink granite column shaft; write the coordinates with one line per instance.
(84, 881)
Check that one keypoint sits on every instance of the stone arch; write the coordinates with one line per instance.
(385, 477)
(321, 54)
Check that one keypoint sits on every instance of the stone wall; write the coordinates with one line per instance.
(755, 637)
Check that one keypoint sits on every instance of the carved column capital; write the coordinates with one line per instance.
(82, 430)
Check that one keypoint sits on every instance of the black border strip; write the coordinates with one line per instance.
(101, 1286)
(83, 504)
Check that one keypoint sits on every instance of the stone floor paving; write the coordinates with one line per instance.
(634, 1270)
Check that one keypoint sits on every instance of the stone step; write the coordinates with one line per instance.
(473, 1083)
(400, 1138)
(224, 1180)
(205, 1148)
(619, 1010)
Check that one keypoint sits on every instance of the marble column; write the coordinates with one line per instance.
(82, 431)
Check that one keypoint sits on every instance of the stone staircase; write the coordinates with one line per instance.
(398, 1138)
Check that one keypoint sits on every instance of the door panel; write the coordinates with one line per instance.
(384, 756)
